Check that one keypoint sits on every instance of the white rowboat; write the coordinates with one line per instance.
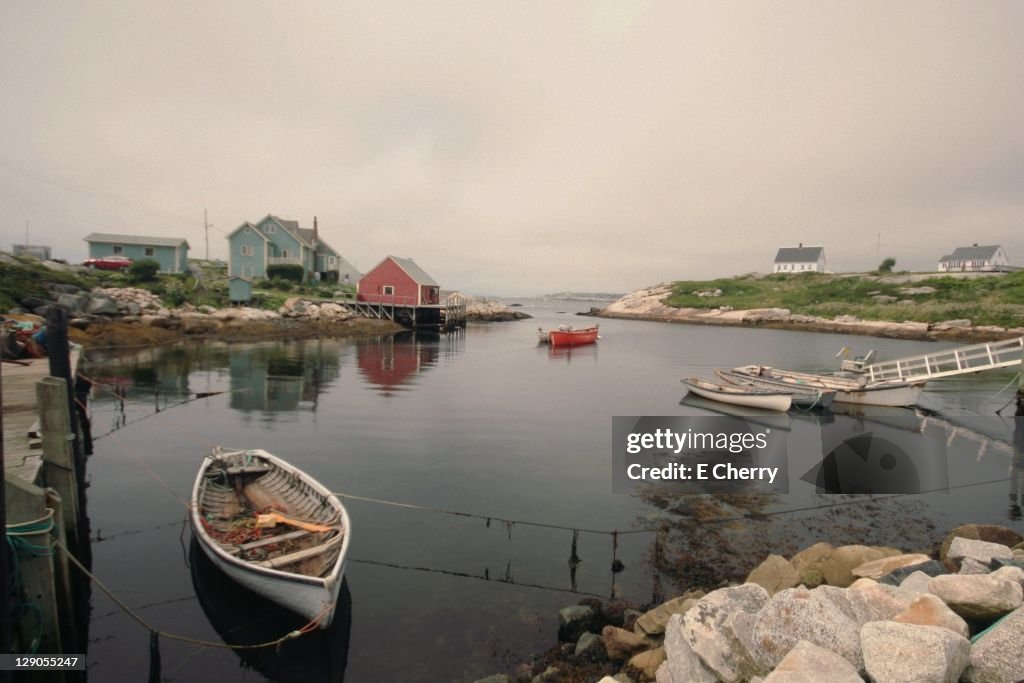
(804, 397)
(272, 528)
(853, 390)
(739, 396)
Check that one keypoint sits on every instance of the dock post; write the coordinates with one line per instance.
(27, 503)
(59, 353)
(1020, 388)
(59, 470)
(62, 579)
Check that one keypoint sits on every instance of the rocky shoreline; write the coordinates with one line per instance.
(126, 317)
(647, 304)
(846, 614)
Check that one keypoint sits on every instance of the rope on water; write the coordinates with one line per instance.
(154, 632)
(861, 499)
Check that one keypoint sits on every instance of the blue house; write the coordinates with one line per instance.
(253, 247)
(170, 252)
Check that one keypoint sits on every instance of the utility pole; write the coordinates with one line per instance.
(206, 226)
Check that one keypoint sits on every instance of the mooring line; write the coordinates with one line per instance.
(311, 626)
(467, 575)
(863, 499)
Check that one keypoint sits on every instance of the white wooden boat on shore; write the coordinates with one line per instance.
(804, 397)
(272, 528)
(739, 396)
(856, 390)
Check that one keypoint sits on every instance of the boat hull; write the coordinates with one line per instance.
(750, 399)
(312, 597)
(848, 389)
(803, 398)
(572, 337)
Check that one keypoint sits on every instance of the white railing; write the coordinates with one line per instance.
(949, 363)
(283, 260)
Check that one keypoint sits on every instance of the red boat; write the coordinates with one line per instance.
(567, 336)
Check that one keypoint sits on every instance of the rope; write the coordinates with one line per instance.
(863, 499)
(311, 626)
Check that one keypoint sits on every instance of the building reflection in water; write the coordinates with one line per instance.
(391, 365)
(283, 377)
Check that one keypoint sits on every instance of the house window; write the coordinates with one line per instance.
(270, 228)
(389, 289)
(246, 250)
(118, 249)
(147, 251)
(332, 261)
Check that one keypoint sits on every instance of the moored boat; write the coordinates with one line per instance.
(856, 390)
(804, 397)
(272, 528)
(565, 335)
(764, 399)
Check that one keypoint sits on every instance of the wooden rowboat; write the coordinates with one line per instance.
(740, 396)
(567, 336)
(272, 528)
(856, 389)
(804, 397)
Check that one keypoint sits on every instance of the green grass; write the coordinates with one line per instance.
(997, 300)
(28, 277)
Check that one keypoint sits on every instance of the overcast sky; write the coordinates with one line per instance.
(522, 147)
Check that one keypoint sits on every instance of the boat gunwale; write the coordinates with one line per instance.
(209, 543)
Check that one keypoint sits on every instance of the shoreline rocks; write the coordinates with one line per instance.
(647, 304)
(108, 317)
(915, 629)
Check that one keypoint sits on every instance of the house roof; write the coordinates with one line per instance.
(799, 254)
(141, 240)
(247, 224)
(973, 253)
(414, 271)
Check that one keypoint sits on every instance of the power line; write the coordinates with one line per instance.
(99, 195)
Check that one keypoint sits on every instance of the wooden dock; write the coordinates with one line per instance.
(441, 317)
(23, 454)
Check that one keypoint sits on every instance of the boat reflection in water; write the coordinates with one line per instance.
(242, 617)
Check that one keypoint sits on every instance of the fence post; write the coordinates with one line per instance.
(58, 458)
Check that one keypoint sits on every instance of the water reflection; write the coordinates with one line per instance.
(390, 365)
(568, 354)
(242, 617)
(277, 378)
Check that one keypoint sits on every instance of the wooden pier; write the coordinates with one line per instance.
(441, 317)
(43, 466)
(23, 446)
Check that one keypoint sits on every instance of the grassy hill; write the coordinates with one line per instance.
(994, 300)
(27, 277)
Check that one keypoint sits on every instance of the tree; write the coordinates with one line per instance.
(144, 270)
(886, 265)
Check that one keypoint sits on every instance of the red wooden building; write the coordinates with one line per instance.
(398, 281)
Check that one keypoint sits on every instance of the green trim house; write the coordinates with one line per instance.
(253, 247)
(170, 252)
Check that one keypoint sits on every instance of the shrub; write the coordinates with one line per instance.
(144, 270)
(286, 271)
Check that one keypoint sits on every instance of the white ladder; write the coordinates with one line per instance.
(960, 361)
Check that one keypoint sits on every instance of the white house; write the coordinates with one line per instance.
(991, 257)
(799, 259)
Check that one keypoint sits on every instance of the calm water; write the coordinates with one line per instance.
(485, 422)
